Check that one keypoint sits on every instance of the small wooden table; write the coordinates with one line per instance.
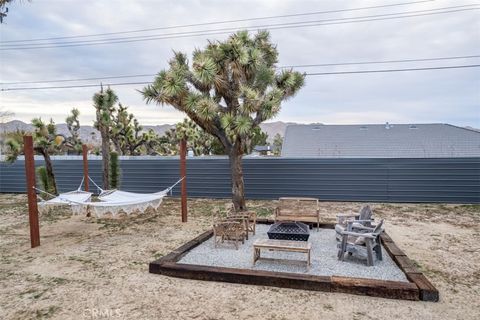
(281, 245)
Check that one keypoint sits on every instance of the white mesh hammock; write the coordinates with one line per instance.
(111, 201)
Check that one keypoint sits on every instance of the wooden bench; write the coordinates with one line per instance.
(298, 209)
(281, 245)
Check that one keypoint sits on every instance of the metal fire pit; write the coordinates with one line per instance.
(289, 231)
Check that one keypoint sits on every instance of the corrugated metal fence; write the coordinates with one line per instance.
(450, 180)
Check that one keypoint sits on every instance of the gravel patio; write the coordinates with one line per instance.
(324, 258)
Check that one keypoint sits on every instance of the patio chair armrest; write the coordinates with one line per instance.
(235, 219)
(356, 234)
(358, 223)
(228, 221)
(369, 220)
(362, 227)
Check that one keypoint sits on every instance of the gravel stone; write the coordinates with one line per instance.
(323, 258)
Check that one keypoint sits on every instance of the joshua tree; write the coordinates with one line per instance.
(126, 132)
(73, 126)
(153, 141)
(277, 144)
(104, 102)
(228, 90)
(4, 8)
(46, 142)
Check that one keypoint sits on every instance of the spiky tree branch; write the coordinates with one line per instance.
(228, 89)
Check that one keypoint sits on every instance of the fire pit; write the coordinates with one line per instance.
(289, 231)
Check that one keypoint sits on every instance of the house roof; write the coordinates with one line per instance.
(380, 141)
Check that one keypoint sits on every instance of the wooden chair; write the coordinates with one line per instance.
(249, 218)
(298, 209)
(228, 228)
(364, 217)
(359, 220)
(352, 242)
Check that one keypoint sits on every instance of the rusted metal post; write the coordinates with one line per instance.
(85, 166)
(183, 174)
(32, 195)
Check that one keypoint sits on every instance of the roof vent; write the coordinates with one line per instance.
(363, 128)
(316, 128)
(412, 126)
(388, 126)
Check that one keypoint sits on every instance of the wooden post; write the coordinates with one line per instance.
(183, 174)
(85, 166)
(32, 195)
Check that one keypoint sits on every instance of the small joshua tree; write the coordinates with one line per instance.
(46, 142)
(104, 103)
(228, 90)
(73, 126)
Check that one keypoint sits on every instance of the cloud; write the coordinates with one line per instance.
(429, 96)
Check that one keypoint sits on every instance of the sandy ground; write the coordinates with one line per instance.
(98, 269)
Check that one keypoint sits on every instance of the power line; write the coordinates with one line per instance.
(308, 74)
(142, 37)
(228, 30)
(80, 79)
(281, 67)
(394, 70)
(379, 62)
(218, 22)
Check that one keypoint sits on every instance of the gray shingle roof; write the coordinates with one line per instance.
(378, 141)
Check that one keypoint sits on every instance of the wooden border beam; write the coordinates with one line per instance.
(418, 287)
(31, 194)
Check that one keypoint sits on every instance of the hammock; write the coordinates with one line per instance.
(111, 201)
(67, 198)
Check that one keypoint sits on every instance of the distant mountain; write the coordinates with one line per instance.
(91, 135)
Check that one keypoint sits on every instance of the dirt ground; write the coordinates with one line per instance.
(89, 268)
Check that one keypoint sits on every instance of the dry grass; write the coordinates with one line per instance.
(89, 268)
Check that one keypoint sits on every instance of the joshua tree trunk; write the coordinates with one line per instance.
(105, 158)
(49, 169)
(238, 189)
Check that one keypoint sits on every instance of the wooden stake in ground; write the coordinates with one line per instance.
(183, 174)
(32, 196)
(85, 166)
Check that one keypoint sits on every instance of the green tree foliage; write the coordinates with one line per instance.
(126, 132)
(114, 170)
(73, 126)
(277, 144)
(259, 138)
(153, 143)
(228, 90)
(46, 142)
(44, 180)
(199, 141)
(104, 104)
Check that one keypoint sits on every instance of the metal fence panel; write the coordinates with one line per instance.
(450, 180)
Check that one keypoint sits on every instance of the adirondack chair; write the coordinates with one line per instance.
(364, 217)
(355, 242)
(360, 220)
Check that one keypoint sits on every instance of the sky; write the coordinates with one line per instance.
(434, 96)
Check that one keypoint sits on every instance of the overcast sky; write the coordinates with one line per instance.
(447, 96)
